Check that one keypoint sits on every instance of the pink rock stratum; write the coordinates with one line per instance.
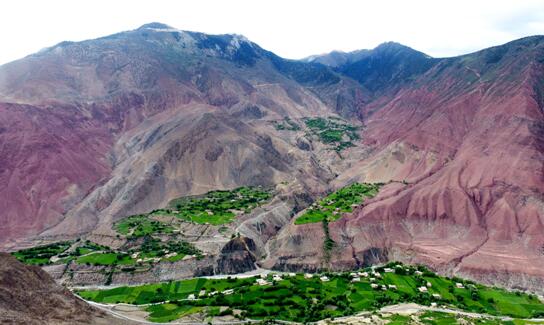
(97, 130)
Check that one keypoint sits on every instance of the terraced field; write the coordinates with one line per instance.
(302, 298)
(342, 201)
(218, 207)
(41, 255)
(149, 239)
(141, 225)
(334, 132)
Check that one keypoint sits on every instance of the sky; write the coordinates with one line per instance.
(290, 28)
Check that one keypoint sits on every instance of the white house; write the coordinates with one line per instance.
(308, 275)
(422, 289)
(202, 293)
(392, 286)
(356, 279)
(388, 270)
(262, 282)
(433, 304)
(228, 292)
(191, 297)
(418, 273)
(429, 284)
(373, 285)
(277, 277)
(459, 285)
(324, 278)
(292, 274)
(437, 296)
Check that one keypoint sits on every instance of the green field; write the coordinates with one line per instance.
(219, 207)
(334, 205)
(309, 299)
(106, 259)
(333, 131)
(150, 249)
(141, 225)
(41, 255)
(168, 312)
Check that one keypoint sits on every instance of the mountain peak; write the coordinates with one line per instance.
(394, 47)
(391, 45)
(155, 25)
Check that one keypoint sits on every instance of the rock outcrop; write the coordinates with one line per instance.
(28, 295)
(237, 256)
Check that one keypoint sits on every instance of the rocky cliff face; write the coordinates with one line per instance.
(237, 256)
(28, 295)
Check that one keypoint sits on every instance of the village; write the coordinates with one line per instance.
(313, 296)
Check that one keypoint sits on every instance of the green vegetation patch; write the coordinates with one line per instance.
(333, 131)
(171, 250)
(111, 258)
(334, 205)
(88, 247)
(141, 225)
(302, 299)
(41, 255)
(151, 250)
(168, 312)
(219, 207)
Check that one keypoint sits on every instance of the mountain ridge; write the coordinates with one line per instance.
(165, 114)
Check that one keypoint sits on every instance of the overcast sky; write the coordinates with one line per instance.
(292, 28)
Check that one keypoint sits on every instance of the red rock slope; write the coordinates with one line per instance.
(468, 137)
(100, 129)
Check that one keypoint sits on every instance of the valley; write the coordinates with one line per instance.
(182, 176)
(164, 236)
(313, 297)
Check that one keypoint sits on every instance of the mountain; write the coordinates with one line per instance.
(28, 295)
(104, 128)
(381, 68)
(466, 138)
(95, 131)
(337, 58)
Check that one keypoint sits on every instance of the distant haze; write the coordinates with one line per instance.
(292, 29)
